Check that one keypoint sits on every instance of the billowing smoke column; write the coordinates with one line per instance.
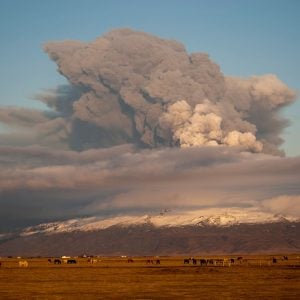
(132, 87)
(203, 127)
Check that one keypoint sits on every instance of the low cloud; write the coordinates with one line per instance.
(285, 205)
(45, 185)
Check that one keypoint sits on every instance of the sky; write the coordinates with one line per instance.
(244, 38)
(88, 126)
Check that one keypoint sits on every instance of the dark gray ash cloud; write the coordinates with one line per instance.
(138, 88)
(133, 87)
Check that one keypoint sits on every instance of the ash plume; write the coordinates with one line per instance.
(133, 87)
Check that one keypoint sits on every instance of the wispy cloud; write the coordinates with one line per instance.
(62, 184)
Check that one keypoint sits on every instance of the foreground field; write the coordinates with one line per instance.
(115, 278)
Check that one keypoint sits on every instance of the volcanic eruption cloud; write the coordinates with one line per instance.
(132, 87)
(144, 124)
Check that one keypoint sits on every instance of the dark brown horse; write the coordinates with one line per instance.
(57, 261)
(149, 261)
(71, 261)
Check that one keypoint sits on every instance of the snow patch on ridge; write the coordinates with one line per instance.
(206, 217)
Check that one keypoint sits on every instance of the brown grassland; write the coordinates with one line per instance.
(115, 278)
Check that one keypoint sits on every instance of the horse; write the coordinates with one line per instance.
(157, 262)
(23, 263)
(71, 261)
(92, 260)
(203, 262)
(149, 261)
(57, 261)
(219, 261)
(186, 261)
(130, 260)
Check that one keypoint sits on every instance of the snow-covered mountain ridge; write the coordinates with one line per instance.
(207, 217)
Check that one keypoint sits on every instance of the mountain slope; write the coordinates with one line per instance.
(166, 218)
(147, 239)
(167, 233)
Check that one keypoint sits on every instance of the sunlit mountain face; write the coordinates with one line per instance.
(167, 233)
(165, 218)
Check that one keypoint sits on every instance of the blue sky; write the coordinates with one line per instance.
(244, 37)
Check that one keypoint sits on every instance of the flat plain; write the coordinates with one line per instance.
(115, 278)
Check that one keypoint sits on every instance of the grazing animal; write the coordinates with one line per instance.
(203, 262)
(157, 262)
(0, 264)
(149, 261)
(219, 261)
(71, 261)
(130, 260)
(23, 263)
(285, 258)
(240, 258)
(57, 261)
(186, 261)
(49, 260)
(227, 262)
(194, 261)
(274, 260)
(232, 260)
(210, 261)
(93, 260)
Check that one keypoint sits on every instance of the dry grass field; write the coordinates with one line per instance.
(115, 278)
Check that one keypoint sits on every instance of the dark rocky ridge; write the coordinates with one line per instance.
(280, 237)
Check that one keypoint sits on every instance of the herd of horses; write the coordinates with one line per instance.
(222, 261)
(57, 261)
(148, 261)
(186, 261)
(212, 262)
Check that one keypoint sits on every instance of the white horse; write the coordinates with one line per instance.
(23, 263)
(92, 260)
